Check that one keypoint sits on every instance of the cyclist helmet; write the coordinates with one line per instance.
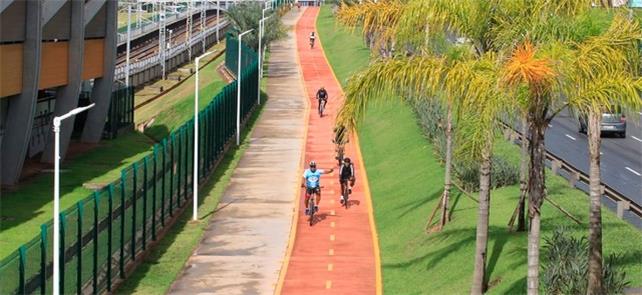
(313, 164)
(347, 160)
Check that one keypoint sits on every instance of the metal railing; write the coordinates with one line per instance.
(576, 175)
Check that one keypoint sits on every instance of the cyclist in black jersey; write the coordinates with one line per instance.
(346, 178)
(322, 97)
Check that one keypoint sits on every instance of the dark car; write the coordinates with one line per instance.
(612, 123)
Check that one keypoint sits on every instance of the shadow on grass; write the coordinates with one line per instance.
(24, 208)
(164, 247)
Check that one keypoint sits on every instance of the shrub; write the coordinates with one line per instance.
(565, 266)
(432, 119)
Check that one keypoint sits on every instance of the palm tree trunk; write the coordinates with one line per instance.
(536, 189)
(479, 275)
(447, 178)
(523, 177)
(595, 218)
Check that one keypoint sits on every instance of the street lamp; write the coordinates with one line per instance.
(129, 38)
(238, 91)
(261, 31)
(56, 217)
(196, 160)
(260, 64)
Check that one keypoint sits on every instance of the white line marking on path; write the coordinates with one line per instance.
(571, 137)
(633, 171)
(549, 125)
(640, 140)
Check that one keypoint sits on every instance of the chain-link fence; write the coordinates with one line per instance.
(109, 229)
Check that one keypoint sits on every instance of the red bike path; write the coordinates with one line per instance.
(339, 254)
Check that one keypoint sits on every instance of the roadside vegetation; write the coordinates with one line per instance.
(409, 182)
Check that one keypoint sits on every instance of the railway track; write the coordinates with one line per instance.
(142, 49)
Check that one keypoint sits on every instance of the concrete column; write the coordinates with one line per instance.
(22, 107)
(67, 96)
(101, 93)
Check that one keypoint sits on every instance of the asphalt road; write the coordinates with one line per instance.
(621, 160)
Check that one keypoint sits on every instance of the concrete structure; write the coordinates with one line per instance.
(47, 50)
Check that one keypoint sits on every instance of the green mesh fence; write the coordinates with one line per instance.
(104, 232)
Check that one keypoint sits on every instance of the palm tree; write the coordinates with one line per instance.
(482, 103)
(603, 76)
(559, 28)
(378, 21)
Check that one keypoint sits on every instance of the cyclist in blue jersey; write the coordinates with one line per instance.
(312, 183)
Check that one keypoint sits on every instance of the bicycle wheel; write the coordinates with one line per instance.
(311, 210)
(345, 195)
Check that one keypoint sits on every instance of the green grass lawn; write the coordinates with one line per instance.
(25, 209)
(406, 182)
(171, 111)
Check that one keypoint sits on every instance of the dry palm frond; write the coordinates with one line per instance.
(524, 68)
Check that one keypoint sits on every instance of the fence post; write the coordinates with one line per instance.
(621, 207)
(79, 249)
(555, 166)
(164, 166)
(43, 258)
(123, 179)
(154, 194)
(95, 266)
(144, 219)
(171, 174)
(63, 226)
(133, 244)
(21, 269)
(187, 160)
(110, 208)
(178, 168)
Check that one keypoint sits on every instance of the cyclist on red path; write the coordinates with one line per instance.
(346, 177)
(312, 184)
(322, 97)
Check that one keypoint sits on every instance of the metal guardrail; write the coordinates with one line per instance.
(576, 175)
(149, 62)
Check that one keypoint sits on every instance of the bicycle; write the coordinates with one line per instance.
(311, 206)
(311, 43)
(321, 107)
(345, 192)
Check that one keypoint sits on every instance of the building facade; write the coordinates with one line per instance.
(55, 55)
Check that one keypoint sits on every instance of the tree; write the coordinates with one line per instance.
(246, 15)
(603, 77)
(559, 29)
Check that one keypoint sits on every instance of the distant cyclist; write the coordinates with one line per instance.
(322, 97)
(312, 184)
(312, 37)
(346, 178)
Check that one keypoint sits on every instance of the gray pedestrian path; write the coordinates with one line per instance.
(244, 246)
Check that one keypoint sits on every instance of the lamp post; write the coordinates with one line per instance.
(238, 90)
(260, 64)
(129, 36)
(261, 31)
(196, 160)
(56, 217)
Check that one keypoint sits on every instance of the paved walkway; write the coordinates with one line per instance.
(243, 249)
(338, 254)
